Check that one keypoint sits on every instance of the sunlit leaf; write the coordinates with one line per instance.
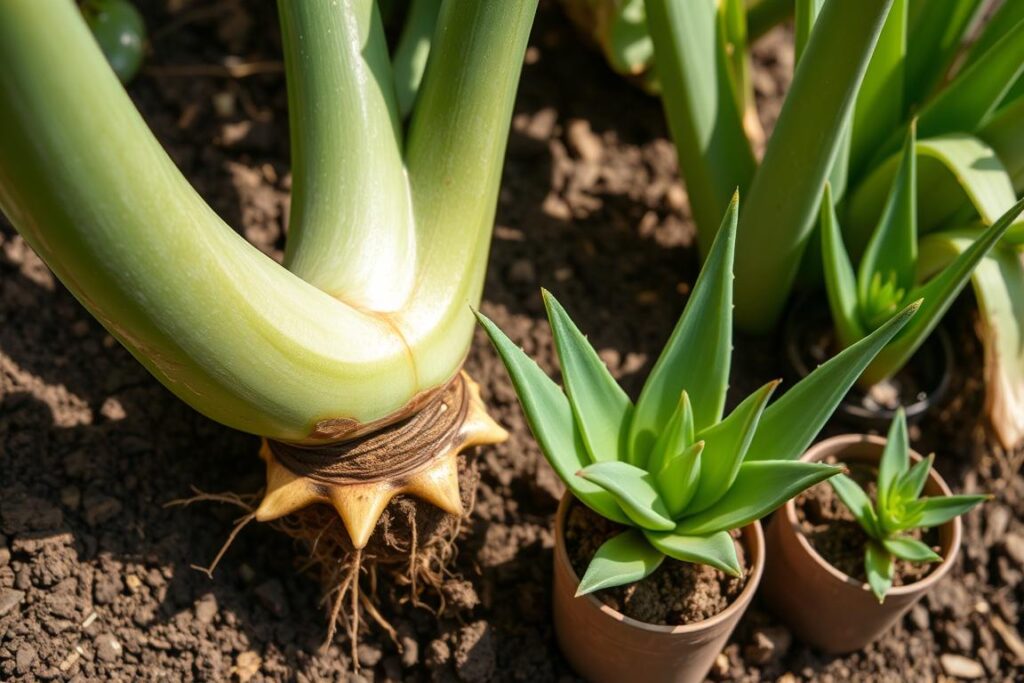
(679, 479)
(910, 550)
(625, 558)
(717, 550)
(674, 438)
(760, 487)
(840, 281)
(895, 460)
(858, 503)
(929, 512)
(725, 446)
(635, 492)
(879, 566)
(913, 480)
(551, 420)
(601, 407)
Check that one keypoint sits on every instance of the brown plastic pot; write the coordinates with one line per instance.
(823, 606)
(603, 644)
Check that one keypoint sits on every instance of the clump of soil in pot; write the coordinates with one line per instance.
(677, 593)
(834, 533)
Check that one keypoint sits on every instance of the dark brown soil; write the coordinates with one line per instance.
(839, 539)
(95, 575)
(676, 593)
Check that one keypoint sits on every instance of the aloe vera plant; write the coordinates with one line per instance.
(887, 278)
(898, 509)
(363, 330)
(670, 468)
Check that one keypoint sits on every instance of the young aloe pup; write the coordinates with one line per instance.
(671, 470)
(892, 519)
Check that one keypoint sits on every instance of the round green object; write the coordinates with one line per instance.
(120, 32)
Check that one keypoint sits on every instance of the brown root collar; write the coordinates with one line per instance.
(416, 456)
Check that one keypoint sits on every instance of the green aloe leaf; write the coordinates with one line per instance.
(913, 480)
(1005, 133)
(780, 210)
(697, 355)
(674, 439)
(790, 423)
(938, 294)
(934, 36)
(880, 108)
(910, 550)
(551, 420)
(679, 479)
(725, 447)
(1008, 15)
(879, 566)
(715, 156)
(840, 281)
(894, 463)
(635, 492)
(888, 264)
(760, 487)
(858, 503)
(717, 550)
(625, 558)
(929, 512)
(601, 407)
(974, 94)
(998, 283)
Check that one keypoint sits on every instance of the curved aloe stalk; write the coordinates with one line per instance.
(371, 319)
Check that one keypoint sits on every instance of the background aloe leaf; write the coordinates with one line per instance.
(1005, 133)
(879, 109)
(913, 480)
(763, 15)
(760, 487)
(634, 490)
(938, 294)
(998, 283)
(891, 254)
(790, 423)
(950, 168)
(701, 109)
(840, 281)
(625, 558)
(964, 104)
(910, 550)
(858, 503)
(551, 420)
(935, 28)
(697, 355)
(879, 566)
(717, 550)
(780, 210)
(679, 478)
(675, 436)
(410, 57)
(895, 461)
(929, 512)
(601, 407)
(725, 446)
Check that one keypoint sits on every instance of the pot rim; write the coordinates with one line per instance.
(939, 338)
(753, 539)
(836, 445)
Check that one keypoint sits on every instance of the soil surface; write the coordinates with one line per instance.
(837, 536)
(675, 593)
(96, 577)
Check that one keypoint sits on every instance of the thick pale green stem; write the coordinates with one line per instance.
(780, 210)
(220, 324)
(413, 50)
(351, 228)
(455, 148)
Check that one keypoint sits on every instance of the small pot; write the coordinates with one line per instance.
(602, 644)
(823, 606)
(930, 366)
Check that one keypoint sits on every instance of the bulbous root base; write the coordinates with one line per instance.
(415, 457)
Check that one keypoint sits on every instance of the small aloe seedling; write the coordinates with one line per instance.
(670, 468)
(898, 509)
(886, 279)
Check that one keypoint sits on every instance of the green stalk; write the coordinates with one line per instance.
(781, 207)
(412, 51)
(241, 339)
(454, 152)
(707, 125)
(351, 228)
